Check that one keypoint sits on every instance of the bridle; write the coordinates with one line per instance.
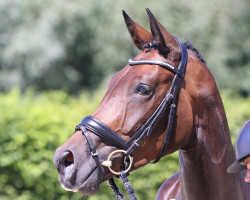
(127, 147)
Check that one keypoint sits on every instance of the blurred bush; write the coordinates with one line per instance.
(33, 125)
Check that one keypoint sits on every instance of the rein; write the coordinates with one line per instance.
(127, 147)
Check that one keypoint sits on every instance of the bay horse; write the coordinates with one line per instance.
(164, 100)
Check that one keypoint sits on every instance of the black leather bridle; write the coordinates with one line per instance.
(169, 102)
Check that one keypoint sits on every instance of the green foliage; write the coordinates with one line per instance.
(33, 125)
(54, 44)
(31, 128)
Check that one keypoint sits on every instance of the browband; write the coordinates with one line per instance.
(163, 64)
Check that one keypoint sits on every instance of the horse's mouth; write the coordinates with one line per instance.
(88, 185)
(86, 180)
(81, 184)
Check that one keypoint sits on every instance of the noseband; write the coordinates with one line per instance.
(169, 102)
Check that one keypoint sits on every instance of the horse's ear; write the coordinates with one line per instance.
(168, 45)
(139, 35)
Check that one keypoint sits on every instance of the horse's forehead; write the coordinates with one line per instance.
(132, 74)
(149, 54)
(129, 72)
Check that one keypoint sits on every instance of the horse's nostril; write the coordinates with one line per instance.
(68, 158)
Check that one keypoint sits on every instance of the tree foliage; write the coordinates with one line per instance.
(75, 44)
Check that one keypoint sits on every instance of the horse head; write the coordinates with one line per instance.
(130, 103)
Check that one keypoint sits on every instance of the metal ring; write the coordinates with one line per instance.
(120, 151)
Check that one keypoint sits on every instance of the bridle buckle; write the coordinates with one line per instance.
(94, 154)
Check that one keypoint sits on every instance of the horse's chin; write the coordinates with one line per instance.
(86, 183)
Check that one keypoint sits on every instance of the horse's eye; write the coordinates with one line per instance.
(143, 89)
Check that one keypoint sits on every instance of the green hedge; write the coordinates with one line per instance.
(33, 125)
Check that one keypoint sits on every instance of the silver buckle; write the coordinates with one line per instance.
(94, 154)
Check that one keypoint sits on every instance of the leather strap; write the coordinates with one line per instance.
(93, 150)
(115, 189)
(176, 84)
(94, 125)
(164, 64)
(128, 186)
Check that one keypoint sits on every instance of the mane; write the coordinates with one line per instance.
(190, 46)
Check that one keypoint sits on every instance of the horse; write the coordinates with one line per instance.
(164, 100)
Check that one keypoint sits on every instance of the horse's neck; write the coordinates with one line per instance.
(203, 167)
